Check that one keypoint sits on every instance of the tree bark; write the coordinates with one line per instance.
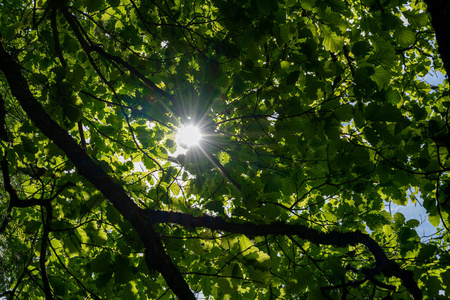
(440, 19)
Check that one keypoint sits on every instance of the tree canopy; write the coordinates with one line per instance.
(314, 116)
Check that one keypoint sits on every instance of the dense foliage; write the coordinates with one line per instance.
(315, 115)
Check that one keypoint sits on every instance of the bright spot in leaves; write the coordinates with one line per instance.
(188, 136)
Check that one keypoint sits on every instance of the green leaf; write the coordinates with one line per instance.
(419, 112)
(435, 220)
(404, 36)
(371, 136)
(263, 262)
(399, 218)
(101, 262)
(270, 211)
(285, 64)
(71, 246)
(434, 285)
(383, 56)
(308, 4)
(413, 223)
(103, 279)
(122, 269)
(381, 77)
(94, 5)
(344, 112)
(292, 77)
(361, 48)
(359, 119)
(225, 286)
(416, 19)
(260, 276)
(331, 41)
(426, 252)
(58, 286)
(114, 3)
(298, 280)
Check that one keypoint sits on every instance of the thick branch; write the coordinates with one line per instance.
(95, 175)
(7, 184)
(440, 11)
(341, 239)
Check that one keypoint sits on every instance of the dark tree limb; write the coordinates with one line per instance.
(222, 169)
(43, 252)
(440, 12)
(340, 239)
(11, 192)
(3, 131)
(82, 138)
(56, 37)
(156, 258)
(7, 293)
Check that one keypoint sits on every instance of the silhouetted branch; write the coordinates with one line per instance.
(43, 252)
(334, 238)
(56, 37)
(3, 131)
(439, 11)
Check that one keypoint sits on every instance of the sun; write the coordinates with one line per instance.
(188, 136)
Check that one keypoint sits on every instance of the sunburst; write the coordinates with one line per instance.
(188, 136)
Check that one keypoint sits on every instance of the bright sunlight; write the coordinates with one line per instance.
(188, 136)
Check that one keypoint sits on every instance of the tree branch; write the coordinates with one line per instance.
(439, 11)
(43, 254)
(56, 37)
(222, 169)
(340, 239)
(3, 131)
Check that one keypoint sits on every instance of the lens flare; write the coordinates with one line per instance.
(188, 136)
